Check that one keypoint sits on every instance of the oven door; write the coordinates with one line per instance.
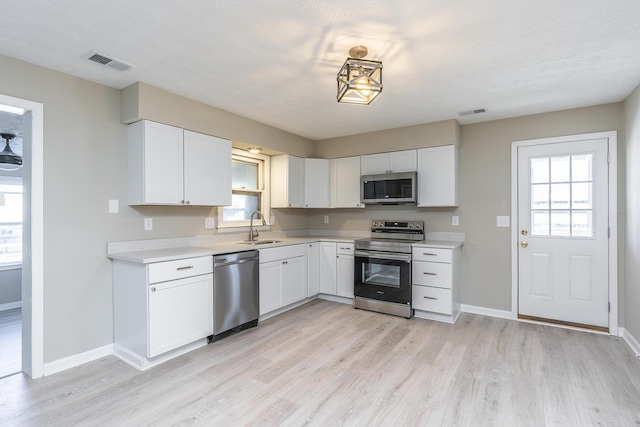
(383, 276)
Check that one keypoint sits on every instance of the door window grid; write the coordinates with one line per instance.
(562, 196)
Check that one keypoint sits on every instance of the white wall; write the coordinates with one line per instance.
(632, 241)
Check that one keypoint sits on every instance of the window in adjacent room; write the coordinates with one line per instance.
(10, 222)
(249, 183)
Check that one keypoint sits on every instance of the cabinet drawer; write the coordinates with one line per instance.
(428, 298)
(178, 269)
(432, 254)
(282, 252)
(435, 274)
(345, 248)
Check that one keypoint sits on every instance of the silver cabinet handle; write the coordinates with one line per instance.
(184, 268)
(431, 298)
(430, 274)
(182, 201)
(187, 202)
(429, 254)
(153, 289)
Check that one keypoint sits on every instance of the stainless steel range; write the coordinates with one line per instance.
(382, 277)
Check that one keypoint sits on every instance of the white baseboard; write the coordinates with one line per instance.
(77, 359)
(10, 305)
(631, 341)
(484, 311)
(142, 363)
(335, 298)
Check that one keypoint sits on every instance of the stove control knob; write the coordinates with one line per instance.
(410, 225)
(418, 225)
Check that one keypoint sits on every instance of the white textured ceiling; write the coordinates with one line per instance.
(276, 61)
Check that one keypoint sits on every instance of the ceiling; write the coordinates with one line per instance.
(276, 61)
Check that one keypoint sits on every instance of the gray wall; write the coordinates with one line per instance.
(632, 242)
(10, 286)
(485, 192)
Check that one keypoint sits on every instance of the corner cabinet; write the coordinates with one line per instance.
(287, 181)
(161, 310)
(438, 176)
(168, 165)
(345, 183)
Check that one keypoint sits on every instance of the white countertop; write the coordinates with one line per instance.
(440, 244)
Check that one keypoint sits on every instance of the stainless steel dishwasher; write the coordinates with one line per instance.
(236, 293)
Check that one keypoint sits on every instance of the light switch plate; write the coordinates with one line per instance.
(148, 224)
(209, 223)
(272, 220)
(114, 206)
(502, 221)
(326, 219)
(455, 220)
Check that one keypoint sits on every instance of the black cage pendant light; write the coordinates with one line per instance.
(359, 80)
(9, 161)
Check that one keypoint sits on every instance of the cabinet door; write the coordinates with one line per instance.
(287, 181)
(313, 269)
(294, 280)
(438, 176)
(328, 268)
(155, 164)
(345, 183)
(270, 286)
(180, 312)
(403, 161)
(375, 163)
(345, 267)
(207, 170)
(317, 182)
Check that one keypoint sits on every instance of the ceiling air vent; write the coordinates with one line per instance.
(109, 62)
(472, 112)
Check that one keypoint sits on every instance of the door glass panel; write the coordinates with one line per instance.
(581, 223)
(582, 167)
(560, 196)
(581, 195)
(540, 196)
(564, 206)
(560, 223)
(540, 223)
(560, 169)
(540, 170)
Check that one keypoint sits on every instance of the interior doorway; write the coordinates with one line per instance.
(564, 239)
(31, 300)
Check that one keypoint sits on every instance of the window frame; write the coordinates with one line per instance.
(264, 173)
(13, 180)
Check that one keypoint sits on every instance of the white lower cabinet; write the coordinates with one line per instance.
(161, 307)
(435, 287)
(336, 264)
(283, 276)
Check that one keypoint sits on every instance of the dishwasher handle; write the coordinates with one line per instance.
(239, 261)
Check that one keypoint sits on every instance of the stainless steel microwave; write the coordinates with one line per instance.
(389, 189)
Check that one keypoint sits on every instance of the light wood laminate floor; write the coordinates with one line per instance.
(328, 364)
(10, 341)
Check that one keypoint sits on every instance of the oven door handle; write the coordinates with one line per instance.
(383, 255)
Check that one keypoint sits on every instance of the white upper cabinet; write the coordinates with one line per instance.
(317, 183)
(345, 183)
(438, 176)
(170, 166)
(207, 170)
(395, 161)
(287, 181)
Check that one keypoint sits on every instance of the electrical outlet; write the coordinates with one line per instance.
(209, 223)
(148, 224)
(272, 220)
(326, 219)
(455, 220)
(502, 221)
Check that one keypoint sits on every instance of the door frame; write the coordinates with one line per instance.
(33, 294)
(612, 138)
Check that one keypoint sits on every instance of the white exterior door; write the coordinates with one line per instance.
(562, 226)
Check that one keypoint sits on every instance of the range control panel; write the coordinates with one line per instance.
(382, 225)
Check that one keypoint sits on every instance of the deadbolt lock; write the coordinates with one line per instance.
(524, 232)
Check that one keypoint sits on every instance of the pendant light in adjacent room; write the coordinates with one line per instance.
(9, 161)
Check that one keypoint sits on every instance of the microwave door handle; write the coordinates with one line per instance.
(383, 256)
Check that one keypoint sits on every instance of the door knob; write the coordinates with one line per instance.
(524, 244)
(524, 232)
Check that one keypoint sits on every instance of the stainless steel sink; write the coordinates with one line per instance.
(259, 242)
